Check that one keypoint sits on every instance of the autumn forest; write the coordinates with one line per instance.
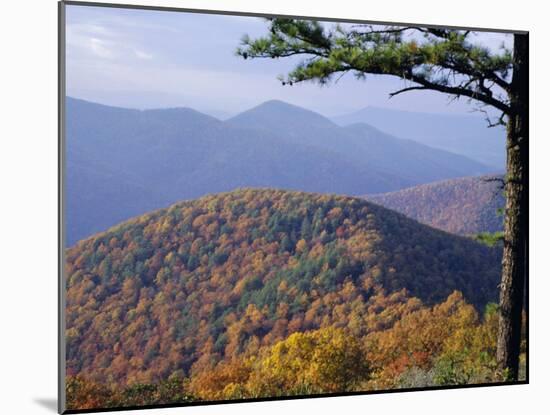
(258, 293)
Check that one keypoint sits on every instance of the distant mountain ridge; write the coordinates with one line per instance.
(467, 135)
(463, 206)
(122, 163)
(361, 142)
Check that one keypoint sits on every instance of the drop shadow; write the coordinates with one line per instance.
(48, 403)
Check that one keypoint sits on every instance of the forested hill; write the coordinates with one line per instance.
(168, 292)
(464, 206)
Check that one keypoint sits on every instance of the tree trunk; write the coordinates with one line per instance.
(514, 261)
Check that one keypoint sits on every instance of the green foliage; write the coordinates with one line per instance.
(449, 370)
(490, 239)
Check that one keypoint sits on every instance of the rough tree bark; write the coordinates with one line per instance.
(514, 262)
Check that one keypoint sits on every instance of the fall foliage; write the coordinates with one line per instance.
(257, 293)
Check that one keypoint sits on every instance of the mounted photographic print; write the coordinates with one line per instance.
(258, 207)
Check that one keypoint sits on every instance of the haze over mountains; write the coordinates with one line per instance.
(406, 159)
(122, 163)
(461, 134)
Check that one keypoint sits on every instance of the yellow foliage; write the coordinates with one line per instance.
(325, 360)
(301, 246)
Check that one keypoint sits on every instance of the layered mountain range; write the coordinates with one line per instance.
(468, 135)
(122, 162)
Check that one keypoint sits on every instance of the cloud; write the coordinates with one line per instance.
(99, 48)
(88, 41)
(190, 58)
(143, 55)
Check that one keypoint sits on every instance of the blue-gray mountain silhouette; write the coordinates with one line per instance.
(467, 135)
(122, 163)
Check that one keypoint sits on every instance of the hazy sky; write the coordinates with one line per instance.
(152, 59)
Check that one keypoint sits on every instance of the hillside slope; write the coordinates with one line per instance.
(122, 163)
(167, 292)
(463, 206)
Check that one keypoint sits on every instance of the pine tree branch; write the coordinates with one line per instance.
(369, 52)
(453, 90)
(411, 88)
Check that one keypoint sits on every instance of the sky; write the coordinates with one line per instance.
(158, 59)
